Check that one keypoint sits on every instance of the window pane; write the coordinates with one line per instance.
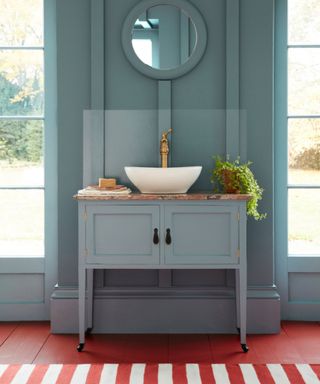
(304, 81)
(21, 153)
(304, 151)
(21, 23)
(143, 49)
(21, 82)
(21, 223)
(303, 22)
(304, 219)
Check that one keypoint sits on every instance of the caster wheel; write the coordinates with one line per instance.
(244, 347)
(88, 331)
(80, 347)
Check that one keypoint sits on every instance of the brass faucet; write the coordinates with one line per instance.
(164, 148)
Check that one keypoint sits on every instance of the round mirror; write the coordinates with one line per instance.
(164, 39)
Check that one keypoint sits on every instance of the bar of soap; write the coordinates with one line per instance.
(107, 183)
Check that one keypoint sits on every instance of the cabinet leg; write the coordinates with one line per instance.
(243, 308)
(82, 314)
(90, 300)
(237, 294)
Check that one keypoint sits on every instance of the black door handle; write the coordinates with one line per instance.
(168, 236)
(155, 236)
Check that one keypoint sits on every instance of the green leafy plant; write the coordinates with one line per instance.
(234, 177)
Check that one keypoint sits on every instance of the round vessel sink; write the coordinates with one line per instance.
(163, 180)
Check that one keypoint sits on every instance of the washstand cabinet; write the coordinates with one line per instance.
(191, 231)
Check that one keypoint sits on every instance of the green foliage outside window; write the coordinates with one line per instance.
(19, 140)
(21, 94)
(309, 158)
(21, 81)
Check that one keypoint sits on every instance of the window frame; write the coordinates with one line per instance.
(26, 48)
(284, 265)
(47, 265)
(303, 116)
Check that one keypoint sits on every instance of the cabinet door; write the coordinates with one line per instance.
(201, 235)
(122, 234)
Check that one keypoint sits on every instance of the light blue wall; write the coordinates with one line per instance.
(256, 99)
(73, 54)
(197, 135)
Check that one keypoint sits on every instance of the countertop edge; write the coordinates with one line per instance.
(182, 196)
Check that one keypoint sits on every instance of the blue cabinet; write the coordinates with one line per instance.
(202, 234)
(164, 233)
(160, 235)
(121, 234)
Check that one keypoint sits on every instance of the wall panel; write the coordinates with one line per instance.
(199, 100)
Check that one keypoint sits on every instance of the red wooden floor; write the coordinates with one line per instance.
(298, 342)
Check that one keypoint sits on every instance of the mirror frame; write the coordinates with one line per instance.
(164, 74)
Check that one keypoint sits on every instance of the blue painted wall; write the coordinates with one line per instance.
(256, 100)
(73, 55)
(198, 134)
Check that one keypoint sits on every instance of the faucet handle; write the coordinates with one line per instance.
(165, 134)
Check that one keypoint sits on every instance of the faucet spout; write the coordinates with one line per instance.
(164, 148)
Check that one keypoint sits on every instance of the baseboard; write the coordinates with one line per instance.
(23, 312)
(303, 310)
(167, 311)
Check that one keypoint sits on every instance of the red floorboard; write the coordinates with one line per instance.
(273, 348)
(5, 330)
(189, 348)
(24, 343)
(298, 342)
(105, 349)
(306, 339)
(142, 348)
(226, 349)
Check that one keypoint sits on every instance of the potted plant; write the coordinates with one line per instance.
(234, 177)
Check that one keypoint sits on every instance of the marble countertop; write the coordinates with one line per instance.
(177, 196)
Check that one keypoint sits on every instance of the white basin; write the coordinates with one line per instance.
(163, 180)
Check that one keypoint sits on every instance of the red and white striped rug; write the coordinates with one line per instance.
(159, 374)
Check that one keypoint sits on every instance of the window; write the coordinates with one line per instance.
(303, 124)
(143, 49)
(21, 128)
